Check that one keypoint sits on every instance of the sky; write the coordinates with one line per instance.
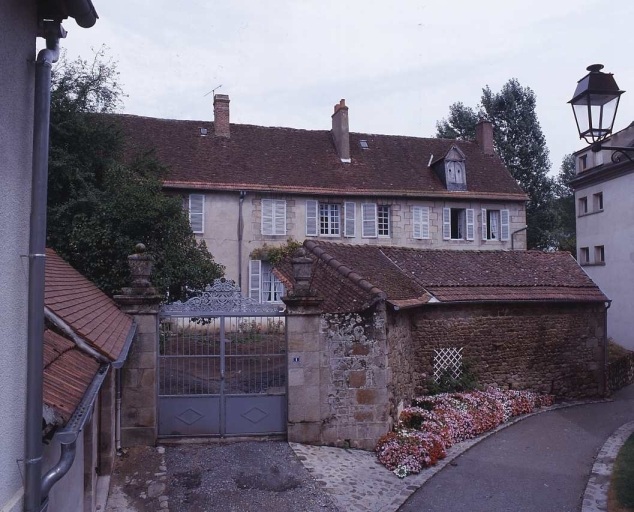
(399, 65)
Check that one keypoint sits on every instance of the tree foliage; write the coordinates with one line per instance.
(520, 143)
(100, 207)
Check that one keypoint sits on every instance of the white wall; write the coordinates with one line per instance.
(17, 52)
(612, 228)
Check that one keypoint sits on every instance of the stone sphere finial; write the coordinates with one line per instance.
(140, 248)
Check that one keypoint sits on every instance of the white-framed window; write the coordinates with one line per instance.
(264, 286)
(597, 202)
(599, 254)
(420, 222)
(273, 217)
(196, 209)
(375, 220)
(495, 224)
(323, 219)
(383, 220)
(458, 224)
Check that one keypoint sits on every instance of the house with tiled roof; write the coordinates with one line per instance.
(369, 327)
(86, 341)
(249, 188)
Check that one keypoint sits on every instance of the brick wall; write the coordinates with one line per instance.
(550, 348)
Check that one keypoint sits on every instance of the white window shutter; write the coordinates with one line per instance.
(424, 221)
(279, 227)
(417, 223)
(349, 226)
(470, 224)
(505, 225)
(368, 220)
(446, 223)
(255, 279)
(484, 224)
(197, 212)
(267, 217)
(311, 218)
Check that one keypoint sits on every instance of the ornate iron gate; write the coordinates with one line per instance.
(222, 365)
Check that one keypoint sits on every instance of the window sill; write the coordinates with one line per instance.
(589, 213)
(596, 264)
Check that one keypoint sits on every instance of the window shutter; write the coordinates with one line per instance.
(484, 224)
(446, 223)
(470, 223)
(349, 226)
(255, 279)
(311, 218)
(279, 227)
(368, 214)
(197, 212)
(267, 217)
(421, 222)
(505, 225)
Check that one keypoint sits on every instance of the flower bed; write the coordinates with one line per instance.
(434, 423)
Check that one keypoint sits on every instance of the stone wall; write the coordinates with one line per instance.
(403, 373)
(337, 380)
(550, 348)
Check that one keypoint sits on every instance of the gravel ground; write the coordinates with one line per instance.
(245, 476)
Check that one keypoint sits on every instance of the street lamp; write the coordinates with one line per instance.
(594, 104)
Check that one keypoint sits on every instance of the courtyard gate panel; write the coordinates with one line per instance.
(222, 366)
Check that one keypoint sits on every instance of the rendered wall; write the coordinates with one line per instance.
(17, 53)
(222, 214)
(67, 495)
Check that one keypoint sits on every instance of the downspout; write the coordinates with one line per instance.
(513, 236)
(240, 236)
(606, 388)
(53, 31)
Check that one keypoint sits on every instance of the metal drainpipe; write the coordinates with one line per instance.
(240, 235)
(606, 390)
(117, 429)
(513, 236)
(37, 259)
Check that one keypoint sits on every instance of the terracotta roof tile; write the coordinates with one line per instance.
(305, 161)
(90, 312)
(349, 277)
(67, 373)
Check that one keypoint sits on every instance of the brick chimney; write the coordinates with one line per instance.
(221, 115)
(484, 136)
(340, 131)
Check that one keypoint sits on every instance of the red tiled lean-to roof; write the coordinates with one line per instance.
(90, 313)
(351, 277)
(287, 160)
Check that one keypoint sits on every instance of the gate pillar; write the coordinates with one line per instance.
(138, 375)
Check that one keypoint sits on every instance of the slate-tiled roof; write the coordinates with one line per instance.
(287, 160)
(351, 277)
(90, 312)
(67, 374)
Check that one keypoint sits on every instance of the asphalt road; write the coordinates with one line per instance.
(541, 464)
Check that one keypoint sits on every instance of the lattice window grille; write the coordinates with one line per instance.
(447, 359)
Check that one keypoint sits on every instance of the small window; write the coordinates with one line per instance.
(264, 286)
(383, 220)
(583, 162)
(364, 144)
(597, 200)
(197, 212)
(584, 255)
(599, 254)
(583, 205)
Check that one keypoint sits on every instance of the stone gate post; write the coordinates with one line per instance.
(139, 424)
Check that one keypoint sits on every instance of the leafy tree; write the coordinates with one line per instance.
(564, 206)
(99, 206)
(520, 143)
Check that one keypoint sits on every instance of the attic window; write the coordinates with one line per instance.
(203, 132)
(364, 144)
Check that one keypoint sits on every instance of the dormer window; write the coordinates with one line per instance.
(451, 169)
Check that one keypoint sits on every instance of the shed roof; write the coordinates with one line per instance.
(352, 277)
